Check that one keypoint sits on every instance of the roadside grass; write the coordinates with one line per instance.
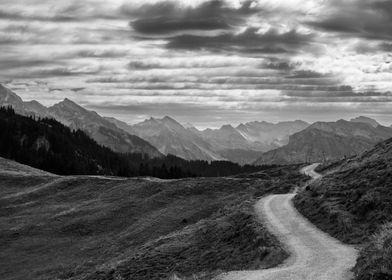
(375, 260)
(85, 227)
(353, 203)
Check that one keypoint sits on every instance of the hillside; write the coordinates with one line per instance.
(354, 201)
(85, 227)
(327, 141)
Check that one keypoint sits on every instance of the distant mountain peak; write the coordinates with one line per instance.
(170, 120)
(70, 105)
(69, 102)
(227, 127)
(363, 119)
(167, 118)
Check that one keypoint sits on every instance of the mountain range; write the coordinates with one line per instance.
(256, 142)
(327, 141)
(236, 144)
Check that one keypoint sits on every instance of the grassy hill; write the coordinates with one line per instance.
(93, 227)
(353, 202)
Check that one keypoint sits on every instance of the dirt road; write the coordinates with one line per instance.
(314, 254)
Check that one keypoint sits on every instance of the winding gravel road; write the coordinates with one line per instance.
(314, 254)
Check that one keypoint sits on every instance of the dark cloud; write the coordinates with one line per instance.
(279, 65)
(48, 72)
(301, 74)
(370, 19)
(102, 53)
(16, 15)
(365, 47)
(172, 64)
(75, 11)
(51, 89)
(161, 25)
(11, 63)
(386, 47)
(168, 17)
(249, 41)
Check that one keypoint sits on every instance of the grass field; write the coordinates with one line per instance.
(85, 227)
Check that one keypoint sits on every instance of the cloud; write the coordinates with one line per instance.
(169, 16)
(106, 53)
(248, 41)
(60, 12)
(371, 19)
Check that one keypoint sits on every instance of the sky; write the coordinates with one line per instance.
(206, 62)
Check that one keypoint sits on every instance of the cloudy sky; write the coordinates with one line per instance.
(202, 61)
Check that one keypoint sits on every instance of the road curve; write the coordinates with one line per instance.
(314, 254)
